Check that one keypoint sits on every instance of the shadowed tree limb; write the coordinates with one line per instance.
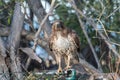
(13, 43)
(4, 73)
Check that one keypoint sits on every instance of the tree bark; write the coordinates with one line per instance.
(13, 43)
(4, 73)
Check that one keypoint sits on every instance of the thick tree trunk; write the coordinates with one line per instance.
(13, 43)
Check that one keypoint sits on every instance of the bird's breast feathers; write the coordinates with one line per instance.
(63, 43)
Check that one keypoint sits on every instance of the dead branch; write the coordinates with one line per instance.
(3, 67)
(13, 42)
(2, 48)
(89, 68)
(31, 54)
(4, 31)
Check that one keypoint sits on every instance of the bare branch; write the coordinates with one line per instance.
(2, 48)
(113, 12)
(3, 66)
(31, 55)
(14, 40)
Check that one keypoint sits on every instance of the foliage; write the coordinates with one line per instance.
(6, 11)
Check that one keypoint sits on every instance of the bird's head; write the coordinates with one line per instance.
(57, 26)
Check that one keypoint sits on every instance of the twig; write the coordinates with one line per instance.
(103, 28)
(89, 42)
(117, 44)
(113, 12)
(42, 24)
(118, 32)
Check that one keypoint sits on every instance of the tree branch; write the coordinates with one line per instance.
(13, 42)
(2, 48)
(3, 66)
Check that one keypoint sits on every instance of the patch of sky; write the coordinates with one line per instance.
(99, 26)
(113, 46)
(71, 11)
(36, 25)
(41, 52)
(84, 11)
(31, 43)
(97, 48)
(26, 27)
(6, 1)
(46, 5)
(68, 5)
(113, 34)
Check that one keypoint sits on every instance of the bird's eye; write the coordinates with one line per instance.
(58, 25)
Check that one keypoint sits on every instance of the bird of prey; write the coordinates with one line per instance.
(64, 43)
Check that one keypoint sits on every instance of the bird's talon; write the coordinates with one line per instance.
(59, 70)
(68, 67)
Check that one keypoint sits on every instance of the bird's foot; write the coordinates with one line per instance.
(68, 67)
(59, 70)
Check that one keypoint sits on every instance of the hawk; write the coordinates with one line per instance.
(64, 43)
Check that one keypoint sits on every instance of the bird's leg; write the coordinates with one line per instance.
(68, 63)
(59, 64)
(56, 58)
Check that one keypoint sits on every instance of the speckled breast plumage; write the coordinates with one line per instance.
(64, 46)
